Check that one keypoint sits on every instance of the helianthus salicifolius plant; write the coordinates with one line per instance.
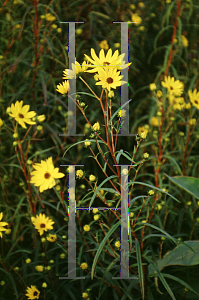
(110, 78)
(21, 113)
(45, 174)
(42, 223)
(174, 88)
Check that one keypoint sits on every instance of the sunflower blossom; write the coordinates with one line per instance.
(42, 223)
(194, 98)
(2, 224)
(45, 174)
(32, 293)
(110, 78)
(175, 88)
(63, 87)
(112, 61)
(22, 114)
(76, 69)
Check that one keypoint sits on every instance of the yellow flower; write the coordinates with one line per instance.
(144, 221)
(194, 98)
(79, 31)
(168, 1)
(154, 122)
(1, 123)
(54, 26)
(84, 266)
(142, 129)
(45, 174)
(188, 105)
(39, 268)
(141, 28)
(141, 5)
(85, 295)
(95, 210)
(86, 228)
(63, 87)
(111, 94)
(124, 172)
(159, 206)
(136, 18)
(21, 115)
(42, 223)
(175, 88)
(92, 178)
(79, 174)
(151, 192)
(62, 255)
(44, 285)
(59, 30)
(153, 87)
(110, 78)
(51, 238)
(104, 45)
(132, 6)
(103, 62)
(189, 203)
(2, 224)
(28, 260)
(143, 135)
(146, 155)
(159, 94)
(50, 17)
(117, 244)
(185, 41)
(32, 293)
(131, 214)
(96, 126)
(117, 45)
(87, 144)
(76, 69)
(96, 217)
(41, 118)
(122, 113)
(192, 121)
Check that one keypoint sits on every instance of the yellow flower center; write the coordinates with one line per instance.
(21, 116)
(47, 175)
(42, 225)
(109, 80)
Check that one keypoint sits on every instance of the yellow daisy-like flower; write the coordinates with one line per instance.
(179, 103)
(159, 94)
(175, 88)
(22, 114)
(92, 178)
(194, 98)
(142, 129)
(185, 41)
(42, 223)
(152, 87)
(63, 87)
(136, 18)
(96, 217)
(76, 69)
(85, 295)
(39, 268)
(95, 210)
(79, 174)
(32, 293)
(108, 61)
(51, 238)
(2, 224)
(104, 45)
(117, 244)
(45, 174)
(154, 122)
(192, 121)
(86, 228)
(84, 266)
(109, 78)
(50, 17)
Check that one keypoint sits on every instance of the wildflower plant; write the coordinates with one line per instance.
(155, 167)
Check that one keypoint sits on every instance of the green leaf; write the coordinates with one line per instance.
(187, 183)
(140, 270)
(186, 254)
(101, 247)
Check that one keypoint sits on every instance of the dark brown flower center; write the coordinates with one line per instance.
(42, 225)
(171, 88)
(109, 80)
(35, 293)
(195, 101)
(21, 116)
(47, 175)
(106, 63)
